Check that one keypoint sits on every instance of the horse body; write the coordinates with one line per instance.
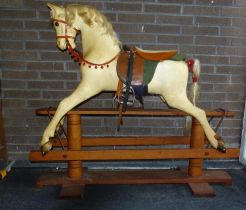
(100, 44)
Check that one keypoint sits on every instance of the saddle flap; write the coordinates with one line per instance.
(122, 68)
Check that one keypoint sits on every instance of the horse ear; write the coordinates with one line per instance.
(51, 6)
(55, 9)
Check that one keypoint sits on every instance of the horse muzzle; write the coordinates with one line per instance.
(64, 45)
(61, 45)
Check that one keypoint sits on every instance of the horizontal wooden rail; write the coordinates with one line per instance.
(133, 112)
(151, 154)
(128, 141)
(154, 176)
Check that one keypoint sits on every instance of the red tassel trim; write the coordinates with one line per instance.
(194, 79)
(78, 57)
(190, 64)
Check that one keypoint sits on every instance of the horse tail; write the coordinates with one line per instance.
(195, 69)
(194, 92)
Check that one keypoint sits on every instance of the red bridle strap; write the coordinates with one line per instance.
(77, 56)
(65, 36)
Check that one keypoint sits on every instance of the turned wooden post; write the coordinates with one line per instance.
(196, 142)
(74, 143)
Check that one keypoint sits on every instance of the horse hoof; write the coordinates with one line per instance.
(46, 148)
(221, 148)
(221, 144)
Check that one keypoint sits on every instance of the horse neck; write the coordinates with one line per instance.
(98, 46)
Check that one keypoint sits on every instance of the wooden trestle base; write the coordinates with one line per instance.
(74, 180)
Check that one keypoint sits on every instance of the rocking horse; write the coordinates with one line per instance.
(102, 53)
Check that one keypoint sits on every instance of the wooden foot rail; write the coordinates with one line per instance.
(124, 154)
(77, 176)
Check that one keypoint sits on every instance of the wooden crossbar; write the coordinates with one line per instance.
(151, 154)
(127, 141)
(133, 112)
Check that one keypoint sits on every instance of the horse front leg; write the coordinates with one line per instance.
(81, 94)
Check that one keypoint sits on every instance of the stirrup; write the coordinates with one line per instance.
(120, 99)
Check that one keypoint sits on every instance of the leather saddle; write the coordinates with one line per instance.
(131, 70)
(139, 57)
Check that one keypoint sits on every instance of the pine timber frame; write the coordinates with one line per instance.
(77, 176)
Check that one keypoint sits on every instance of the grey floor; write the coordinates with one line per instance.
(18, 191)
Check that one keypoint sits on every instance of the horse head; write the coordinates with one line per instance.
(65, 31)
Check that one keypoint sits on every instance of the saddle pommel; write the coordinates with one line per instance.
(155, 55)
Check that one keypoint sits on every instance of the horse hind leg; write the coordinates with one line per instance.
(182, 103)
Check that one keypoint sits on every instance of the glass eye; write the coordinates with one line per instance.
(56, 24)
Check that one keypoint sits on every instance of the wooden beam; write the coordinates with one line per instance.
(151, 154)
(128, 141)
(202, 189)
(133, 112)
(153, 176)
(72, 191)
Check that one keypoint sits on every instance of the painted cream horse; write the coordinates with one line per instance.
(100, 45)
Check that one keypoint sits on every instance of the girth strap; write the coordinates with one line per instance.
(129, 75)
(120, 105)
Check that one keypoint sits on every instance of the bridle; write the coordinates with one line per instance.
(66, 36)
(75, 54)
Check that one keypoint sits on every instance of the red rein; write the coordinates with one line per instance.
(78, 57)
(75, 55)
